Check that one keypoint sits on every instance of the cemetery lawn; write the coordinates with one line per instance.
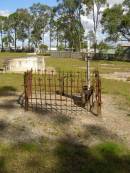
(104, 66)
(109, 86)
(11, 82)
(64, 155)
(6, 55)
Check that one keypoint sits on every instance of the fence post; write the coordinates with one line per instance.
(98, 92)
(25, 91)
(27, 88)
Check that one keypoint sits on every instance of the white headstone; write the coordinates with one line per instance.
(24, 64)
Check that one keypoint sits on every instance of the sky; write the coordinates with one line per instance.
(12, 5)
(8, 6)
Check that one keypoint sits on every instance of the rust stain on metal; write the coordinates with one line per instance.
(62, 92)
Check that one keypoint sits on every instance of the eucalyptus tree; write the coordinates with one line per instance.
(126, 3)
(94, 8)
(8, 38)
(116, 22)
(70, 23)
(24, 27)
(14, 20)
(7, 41)
(2, 24)
(52, 24)
(41, 14)
(29, 26)
(58, 31)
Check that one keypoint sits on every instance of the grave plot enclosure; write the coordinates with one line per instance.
(65, 92)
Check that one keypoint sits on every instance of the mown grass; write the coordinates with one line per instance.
(112, 87)
(104, 66)
(10, 82)
(115, 87)
(12, 54)
(6, 55)
(64, 157)
(14, 83)
(67, 64)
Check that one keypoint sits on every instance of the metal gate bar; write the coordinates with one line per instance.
(65, 92)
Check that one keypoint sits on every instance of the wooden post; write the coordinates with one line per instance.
(25, 91)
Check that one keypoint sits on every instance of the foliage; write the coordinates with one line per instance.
(61, 47)
(102, 46)
(43, 46)
(25, 25)
(116, 22)
(41, 14)
(2, 22)
(68, 24)
(119, 50)
(94, 7)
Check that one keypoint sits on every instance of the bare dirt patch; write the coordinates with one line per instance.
(16, 125)
(123, 76)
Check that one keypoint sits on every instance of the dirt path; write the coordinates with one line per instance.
(17, 125)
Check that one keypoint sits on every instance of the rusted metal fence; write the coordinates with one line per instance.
(64, 92)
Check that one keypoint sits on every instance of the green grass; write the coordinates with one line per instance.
(67, 64)
(49, 156)
(64, 157)
(104, 66)
(117, 88)
(10, 82)
(6, 55)
(13, 54)
(111, 87)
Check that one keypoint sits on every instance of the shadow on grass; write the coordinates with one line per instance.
(15, 133)
(58, 117)
(2, 165)
(104, 158)
(9, 104)
(71, 157)
(128, 115)
(101, 133)
(7, 91)
(66, 156)
(3, 125)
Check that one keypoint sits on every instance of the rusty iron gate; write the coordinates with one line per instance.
(64, 92)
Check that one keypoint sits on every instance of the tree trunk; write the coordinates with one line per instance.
(65, 44)
(2, 41)
(57, 40)
(80, 24)
(95, 47)
(22, 45)
(95, 50)
(95, 44)
(43, 37)
(29, 45)
(29, 39)
(15, 40)
(50, 39)
(9, 46)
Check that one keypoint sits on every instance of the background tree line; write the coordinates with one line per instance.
(63, 23)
